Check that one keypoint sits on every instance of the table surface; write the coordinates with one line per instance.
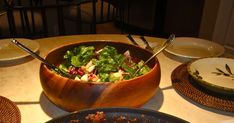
(19, 82)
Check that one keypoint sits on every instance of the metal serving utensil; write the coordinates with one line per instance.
(51, 66)
(131, 39)
(148, 47)
(165, 45)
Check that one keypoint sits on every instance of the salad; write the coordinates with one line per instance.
(88, 64)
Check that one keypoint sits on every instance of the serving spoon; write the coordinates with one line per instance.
(51, 66)
(165, 45)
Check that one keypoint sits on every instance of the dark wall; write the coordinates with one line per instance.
(162, 17)
(183, 17)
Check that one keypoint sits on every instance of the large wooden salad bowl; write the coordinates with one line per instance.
(74, 95)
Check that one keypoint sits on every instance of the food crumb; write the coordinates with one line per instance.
(74, 121)
(96, 117)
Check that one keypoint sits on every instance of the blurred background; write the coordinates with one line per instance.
(208, 19)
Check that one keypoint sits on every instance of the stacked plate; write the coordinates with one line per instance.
(215, 74)
(207, 81)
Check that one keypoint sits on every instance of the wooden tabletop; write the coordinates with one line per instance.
(20, 82)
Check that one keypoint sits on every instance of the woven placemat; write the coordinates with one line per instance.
(9, 112)
(185, 85)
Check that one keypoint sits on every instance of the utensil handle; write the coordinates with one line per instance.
(32, 53)
(144, 40)
(131, 39)
(148, 47)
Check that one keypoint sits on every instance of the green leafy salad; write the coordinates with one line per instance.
(87, 64)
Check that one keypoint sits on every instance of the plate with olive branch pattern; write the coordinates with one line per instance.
(214, 73)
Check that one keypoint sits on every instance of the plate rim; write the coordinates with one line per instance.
(120, 109)
(191, 41)
(208, 85)
(37, 47)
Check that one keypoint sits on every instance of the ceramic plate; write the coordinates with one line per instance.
(216, 74)
(194, 48)
(117, 115)
(8, 51)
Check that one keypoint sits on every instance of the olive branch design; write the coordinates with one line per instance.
(227, 73)
(196, 73)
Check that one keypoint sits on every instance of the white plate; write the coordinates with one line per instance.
(216, 74)
(8, 50)
(194, 48)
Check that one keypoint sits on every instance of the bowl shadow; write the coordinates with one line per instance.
(50, 108)
(156, 101)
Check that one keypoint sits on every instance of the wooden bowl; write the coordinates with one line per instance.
(73, 95)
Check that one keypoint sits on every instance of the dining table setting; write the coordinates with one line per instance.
(179, 79)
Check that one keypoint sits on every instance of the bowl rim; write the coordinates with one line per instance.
(157, 64)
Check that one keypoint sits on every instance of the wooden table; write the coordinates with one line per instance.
(19, 82)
